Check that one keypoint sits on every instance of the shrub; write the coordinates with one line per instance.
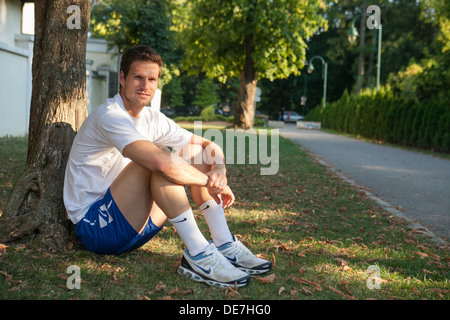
(385, 117)
(208, 114)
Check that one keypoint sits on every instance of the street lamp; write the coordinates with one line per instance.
(324, 75)
(353, 34)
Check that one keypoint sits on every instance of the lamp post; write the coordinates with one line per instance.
(324, 75)
(353, 34)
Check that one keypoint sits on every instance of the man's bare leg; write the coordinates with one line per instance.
(132, 193)
(214, 213)
(141, 194)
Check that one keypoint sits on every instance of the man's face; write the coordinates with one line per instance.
(139, 87)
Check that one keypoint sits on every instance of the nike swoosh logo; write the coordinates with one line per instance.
(206, 207)
(234, 259)
(179, 221)
(204, 270)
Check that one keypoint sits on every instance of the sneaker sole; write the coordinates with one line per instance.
(188, 272)
(256, 270)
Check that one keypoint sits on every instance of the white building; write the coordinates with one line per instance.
(16, 54)
(15, 65)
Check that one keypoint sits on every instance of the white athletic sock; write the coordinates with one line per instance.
(190, 234)
(215, 218)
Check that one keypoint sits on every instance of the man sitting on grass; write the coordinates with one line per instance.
(122, 183)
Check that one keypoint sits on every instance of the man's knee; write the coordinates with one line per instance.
(193, 154)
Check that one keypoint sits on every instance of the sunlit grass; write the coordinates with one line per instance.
(320, 234)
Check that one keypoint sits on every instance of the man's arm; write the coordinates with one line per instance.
(217, 183)
(169, 165)
(176, 169)
(216, 158)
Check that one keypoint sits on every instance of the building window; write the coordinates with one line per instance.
(28, 18)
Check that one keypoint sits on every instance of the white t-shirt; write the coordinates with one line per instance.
(96, 156)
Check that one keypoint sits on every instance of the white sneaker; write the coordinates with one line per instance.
(243, 259)
(212, 268)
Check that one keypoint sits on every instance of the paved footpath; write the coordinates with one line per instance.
(414, 185)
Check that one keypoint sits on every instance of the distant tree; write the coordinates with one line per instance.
(129, 22)
(206, 95)
(173, 93)
(426, 77)
(401, 43)
(249, 39)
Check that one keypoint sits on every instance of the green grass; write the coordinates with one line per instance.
(320, 234)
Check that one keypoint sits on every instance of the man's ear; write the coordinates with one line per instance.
(122, 78)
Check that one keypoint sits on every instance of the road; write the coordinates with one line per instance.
(416, 184)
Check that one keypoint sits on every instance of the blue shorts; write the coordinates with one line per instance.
(105, 230)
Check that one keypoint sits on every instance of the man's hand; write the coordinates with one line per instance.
(217, 180)
(226, 195)
(217, 185)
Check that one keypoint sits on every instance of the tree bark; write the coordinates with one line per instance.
(245, 110)
(362, 44)
(370, 63)
(58, 107)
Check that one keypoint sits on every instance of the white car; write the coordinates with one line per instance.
(292, 116)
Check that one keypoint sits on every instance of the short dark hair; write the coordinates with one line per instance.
(140, 52)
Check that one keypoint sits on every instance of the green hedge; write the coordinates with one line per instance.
(385, 117)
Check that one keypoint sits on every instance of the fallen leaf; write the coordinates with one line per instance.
(273, 261)
(339, 292)
(346, 268)
(3, 247)
(306, 290)
(346, 289)
(422, 255)
(232, 292)
(269, 279)
(263, 230)
(434, 256)
(302, 280)
(341, 262)
(63, 276)
(281, 290)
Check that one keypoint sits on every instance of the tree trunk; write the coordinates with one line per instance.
(58, 107)
(369, 77)
(362, 44)
(245, 109)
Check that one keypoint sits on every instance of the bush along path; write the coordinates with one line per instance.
(382, 116)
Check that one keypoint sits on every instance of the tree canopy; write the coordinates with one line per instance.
(249, 39)
(213, 35)
(129, 22)
(274, 40)
(413, 62)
